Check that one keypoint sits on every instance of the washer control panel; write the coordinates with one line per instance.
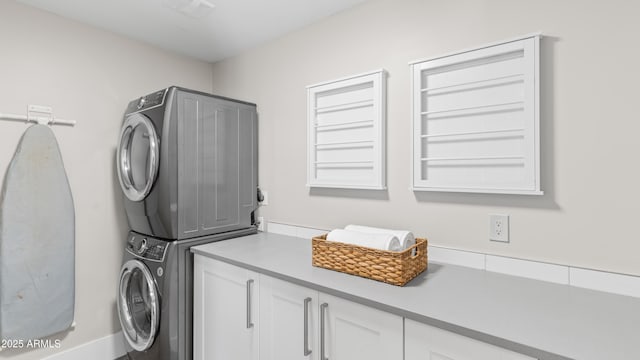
(146, 248)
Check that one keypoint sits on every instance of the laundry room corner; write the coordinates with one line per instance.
(84, 74)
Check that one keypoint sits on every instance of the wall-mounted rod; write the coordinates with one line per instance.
(38, 114)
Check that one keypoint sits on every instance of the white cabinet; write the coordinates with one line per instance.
(424, 342)
(226, 312)
(354, 331)
(337, 329)
(288, 321)
(239, 314)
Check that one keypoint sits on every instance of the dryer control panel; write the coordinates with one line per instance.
(146, 102)
(146, 248)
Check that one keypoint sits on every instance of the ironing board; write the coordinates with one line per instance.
(37, 241)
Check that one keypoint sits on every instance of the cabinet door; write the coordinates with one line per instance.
(225, 314)
(353, 331)
(288, 321)
(424, 342)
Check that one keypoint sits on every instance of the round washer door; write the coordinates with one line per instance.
(138, 305)
(137, 157)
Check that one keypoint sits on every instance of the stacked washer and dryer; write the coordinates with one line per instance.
(187, 165)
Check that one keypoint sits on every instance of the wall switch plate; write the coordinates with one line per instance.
(499, 227)
(265, 200)
(260, 223)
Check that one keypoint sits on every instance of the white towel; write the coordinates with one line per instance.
(406, 238)
(376, 241)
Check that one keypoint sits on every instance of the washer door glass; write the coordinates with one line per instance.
(138, 305)
(137, 157)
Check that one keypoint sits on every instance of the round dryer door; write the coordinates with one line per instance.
(138, 305)
(137, 157)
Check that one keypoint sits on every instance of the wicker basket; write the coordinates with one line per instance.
(393, 267)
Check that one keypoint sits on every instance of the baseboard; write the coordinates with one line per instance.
(620, 284)
(107, 348)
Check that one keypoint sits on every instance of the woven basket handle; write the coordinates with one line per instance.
(414, 250)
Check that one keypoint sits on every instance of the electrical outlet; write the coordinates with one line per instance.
(499, 227)
(260, 223)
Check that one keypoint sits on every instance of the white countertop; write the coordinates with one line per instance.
(540, 319)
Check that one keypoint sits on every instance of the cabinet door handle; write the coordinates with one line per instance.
(323, 308)
(249, 322)
(307, 351)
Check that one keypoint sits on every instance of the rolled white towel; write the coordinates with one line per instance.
(376, 241)
(406, 237)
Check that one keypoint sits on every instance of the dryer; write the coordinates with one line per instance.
(187, 164)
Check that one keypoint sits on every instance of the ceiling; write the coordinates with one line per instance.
(209, 30)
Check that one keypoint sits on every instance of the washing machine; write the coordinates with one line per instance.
(187, 164)
(155, 295)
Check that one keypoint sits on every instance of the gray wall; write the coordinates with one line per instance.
(590, 148)
(86, 75)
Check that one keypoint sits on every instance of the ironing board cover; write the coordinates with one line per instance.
(37, 241)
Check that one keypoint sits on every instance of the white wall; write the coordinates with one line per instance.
(87, 75)
(590, 174)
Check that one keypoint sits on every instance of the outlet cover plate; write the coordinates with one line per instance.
(499, 227)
